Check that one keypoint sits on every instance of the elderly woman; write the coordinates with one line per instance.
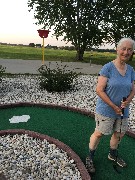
(115, 82)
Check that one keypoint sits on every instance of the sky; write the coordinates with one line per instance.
(17, 25)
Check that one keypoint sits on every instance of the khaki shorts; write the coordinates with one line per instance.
(107, 125)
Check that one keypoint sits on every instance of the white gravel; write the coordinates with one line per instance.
(25, 158)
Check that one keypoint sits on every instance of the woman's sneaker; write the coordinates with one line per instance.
(89, 165)
(120, 161)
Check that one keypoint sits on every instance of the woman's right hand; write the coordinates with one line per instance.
(118, 110)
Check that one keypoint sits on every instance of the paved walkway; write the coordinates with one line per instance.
(31, 66)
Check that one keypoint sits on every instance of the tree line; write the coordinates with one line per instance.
(70, 48)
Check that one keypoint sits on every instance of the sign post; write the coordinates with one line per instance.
(43, 34)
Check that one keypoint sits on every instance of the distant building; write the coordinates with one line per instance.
(38, 45)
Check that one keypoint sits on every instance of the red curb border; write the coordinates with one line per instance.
(130, 133)
(69, 108)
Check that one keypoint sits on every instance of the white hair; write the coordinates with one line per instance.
(126, 39)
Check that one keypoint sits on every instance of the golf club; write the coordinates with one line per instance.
(115, 165)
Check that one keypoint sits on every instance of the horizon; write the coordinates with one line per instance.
(4, 43)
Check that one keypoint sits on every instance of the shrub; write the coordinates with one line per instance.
(59, 79)
(2, 71)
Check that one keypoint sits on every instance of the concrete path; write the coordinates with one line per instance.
(31, 66)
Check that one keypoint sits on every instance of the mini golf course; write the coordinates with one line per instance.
(73, 129)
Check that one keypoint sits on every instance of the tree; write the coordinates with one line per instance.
(31, 44)
(119, 20)
(85, 22)
(78, 21)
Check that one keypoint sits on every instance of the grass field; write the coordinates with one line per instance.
(30, 53)
(22, 52)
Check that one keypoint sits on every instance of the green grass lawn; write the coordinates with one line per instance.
(22, 52)
(31, 53)
(73, 129)
(26, 53)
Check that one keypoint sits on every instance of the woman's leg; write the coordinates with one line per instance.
(94, 140)
(115, 140)
(103, 127)
(113, 153)
(120, 128)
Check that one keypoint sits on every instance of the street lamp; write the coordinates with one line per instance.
(43, 34)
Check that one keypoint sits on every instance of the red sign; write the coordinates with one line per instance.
(43, 33)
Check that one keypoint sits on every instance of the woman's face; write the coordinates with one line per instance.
(124, 51)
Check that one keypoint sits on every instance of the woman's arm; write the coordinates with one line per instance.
(100, 90)
(130, 97)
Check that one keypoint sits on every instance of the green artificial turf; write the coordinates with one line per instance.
(73, 129)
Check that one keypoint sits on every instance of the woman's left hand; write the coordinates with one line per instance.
(124, 104)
